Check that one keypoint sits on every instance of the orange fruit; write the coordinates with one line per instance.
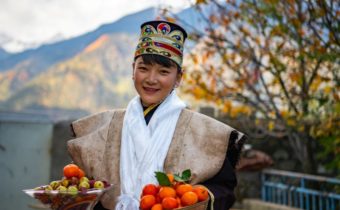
(169, 203)
(171, 178)
(150, 189)
(167, 192)
(157, 206)
(178, 184)
(183, 188)
(158, 199)
(71, 170)
(189, 198)
(179, 202)
(81, 173)
(201, 192)
(147, 202)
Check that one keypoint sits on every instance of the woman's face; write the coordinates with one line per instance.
(154, 82)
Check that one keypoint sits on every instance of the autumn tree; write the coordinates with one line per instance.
(275, 62)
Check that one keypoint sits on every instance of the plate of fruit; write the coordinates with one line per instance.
(174, 191)
(73, 191)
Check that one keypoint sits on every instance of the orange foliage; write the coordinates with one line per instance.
(97, 43)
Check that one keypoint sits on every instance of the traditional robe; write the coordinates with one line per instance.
(199, 143)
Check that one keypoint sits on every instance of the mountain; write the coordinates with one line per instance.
(95, 79)
(90, 72)
(4, 54)
(52, 53)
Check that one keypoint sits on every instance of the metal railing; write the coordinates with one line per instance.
(300, 190)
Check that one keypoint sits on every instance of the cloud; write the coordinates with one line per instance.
(37, 21)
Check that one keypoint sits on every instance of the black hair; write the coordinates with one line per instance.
(158, 59)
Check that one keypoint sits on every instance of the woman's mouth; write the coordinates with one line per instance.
(150, 90)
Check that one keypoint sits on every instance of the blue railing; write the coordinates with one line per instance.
(300, 190)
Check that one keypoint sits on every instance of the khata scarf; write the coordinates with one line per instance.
(144, 147)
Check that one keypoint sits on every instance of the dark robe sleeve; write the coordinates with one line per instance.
(99, 206)
(223, 183)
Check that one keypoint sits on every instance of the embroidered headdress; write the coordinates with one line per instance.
(162, 38)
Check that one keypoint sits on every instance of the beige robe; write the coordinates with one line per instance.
(199, 143)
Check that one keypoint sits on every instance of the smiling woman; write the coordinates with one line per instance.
(154, 78)
(156, 132)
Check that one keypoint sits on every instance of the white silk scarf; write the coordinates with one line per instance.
(144, 147)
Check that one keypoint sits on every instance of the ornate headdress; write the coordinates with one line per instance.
(162, 38)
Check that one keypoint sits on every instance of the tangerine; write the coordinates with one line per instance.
(169, 203)
(71, 170)
(150, 189)
(157, 206)
(167, 192)
(147, 202)
(183, 188)
(201, 192)
(189, 198)
(179, 202)
(158, 199)
(171, 178)
(178, 184)
(81, 173)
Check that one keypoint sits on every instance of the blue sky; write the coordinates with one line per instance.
(28, 23)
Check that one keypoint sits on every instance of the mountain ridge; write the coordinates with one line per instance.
(91, 72)
(67, 48)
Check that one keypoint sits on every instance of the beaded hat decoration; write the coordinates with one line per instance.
(162, 38)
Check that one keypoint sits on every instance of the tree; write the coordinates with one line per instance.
(276, 62)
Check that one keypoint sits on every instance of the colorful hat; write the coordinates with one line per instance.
(162, 38)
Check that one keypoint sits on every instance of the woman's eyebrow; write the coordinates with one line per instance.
(141, 62)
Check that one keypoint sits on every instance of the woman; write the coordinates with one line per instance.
(156, 132)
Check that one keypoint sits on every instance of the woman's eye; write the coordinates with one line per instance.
(142, 68)
(164, 72)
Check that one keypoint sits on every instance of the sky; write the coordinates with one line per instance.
(29, 23)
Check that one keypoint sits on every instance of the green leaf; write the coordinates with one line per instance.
(162, 179)
(178, 178)
(186, 174)
(184, 177)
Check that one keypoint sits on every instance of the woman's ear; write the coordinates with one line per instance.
(133, 71)
(178, 79)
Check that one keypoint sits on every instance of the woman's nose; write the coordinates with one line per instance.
(152, 77)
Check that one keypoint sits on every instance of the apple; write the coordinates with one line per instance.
(84, 184)
(98, 185)
(73, 190)
(65, 182)
(48, 188)
(55, 184)
(84, 178)
(62, 188)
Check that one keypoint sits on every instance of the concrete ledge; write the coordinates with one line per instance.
(255, 204)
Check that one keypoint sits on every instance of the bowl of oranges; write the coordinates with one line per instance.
(73, 191)
(174, 192)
